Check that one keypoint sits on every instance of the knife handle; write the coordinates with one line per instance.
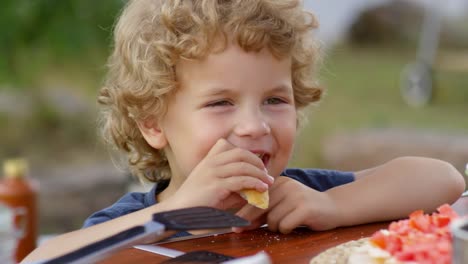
(196, 218)
(99, 249)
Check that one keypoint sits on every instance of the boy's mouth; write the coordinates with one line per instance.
(265, 157)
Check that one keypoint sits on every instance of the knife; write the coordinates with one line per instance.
(167, 252)
(202, 256)
(182, 257)
(190, 237)
(159, 227)
(214, 233)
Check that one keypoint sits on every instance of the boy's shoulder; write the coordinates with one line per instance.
(129, 203)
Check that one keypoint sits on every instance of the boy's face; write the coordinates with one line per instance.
(245, 98)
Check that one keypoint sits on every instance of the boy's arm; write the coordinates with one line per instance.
(396, 188)
(67, 242)
(214, 182)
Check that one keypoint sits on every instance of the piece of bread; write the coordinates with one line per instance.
(256, 198)
(339, 254)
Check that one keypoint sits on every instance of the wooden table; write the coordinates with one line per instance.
(298, 247)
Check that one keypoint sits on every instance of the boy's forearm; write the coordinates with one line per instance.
(397, 188)
(70, 241)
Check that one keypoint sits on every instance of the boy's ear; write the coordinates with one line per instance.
(152, 133)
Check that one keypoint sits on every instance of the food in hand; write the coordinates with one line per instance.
(256, 198)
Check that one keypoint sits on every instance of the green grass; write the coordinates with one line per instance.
(363, 92)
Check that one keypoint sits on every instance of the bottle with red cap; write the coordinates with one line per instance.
(18, 211)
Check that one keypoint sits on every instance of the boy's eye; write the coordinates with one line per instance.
(219, 103)
(274, 100)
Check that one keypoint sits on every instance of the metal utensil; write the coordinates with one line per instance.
(459, 229)
(167, 252)
(182, 257)
(182, 238)
(202, 256)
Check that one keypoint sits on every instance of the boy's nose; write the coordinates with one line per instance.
(252, 124)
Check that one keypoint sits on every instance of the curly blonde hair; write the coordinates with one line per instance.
(152, 35)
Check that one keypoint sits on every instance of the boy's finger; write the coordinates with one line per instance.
(238, 183)
(277, 191)
(220, 146)
(236, 169)
(278, 213)
(239, 155)
(290, 221)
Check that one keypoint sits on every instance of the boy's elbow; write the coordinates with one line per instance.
(459, 180)
(453, 180)
(443, 174)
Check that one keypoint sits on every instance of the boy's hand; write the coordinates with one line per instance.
(220, 176)
(293, 204)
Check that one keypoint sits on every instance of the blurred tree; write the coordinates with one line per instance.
(454, 33)
(399, 22)
(391, 23)
(61, 29)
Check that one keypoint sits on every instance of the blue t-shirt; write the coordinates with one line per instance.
(320, 180)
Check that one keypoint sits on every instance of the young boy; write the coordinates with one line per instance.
(204, 97)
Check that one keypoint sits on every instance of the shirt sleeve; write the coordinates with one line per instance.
(319, 179)
(129, 203)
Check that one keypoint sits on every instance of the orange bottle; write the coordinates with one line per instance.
(18, 202)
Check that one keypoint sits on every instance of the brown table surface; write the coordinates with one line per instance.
(297, 247)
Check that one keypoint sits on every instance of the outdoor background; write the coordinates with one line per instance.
(52, 63)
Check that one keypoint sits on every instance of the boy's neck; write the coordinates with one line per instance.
(166, 193)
